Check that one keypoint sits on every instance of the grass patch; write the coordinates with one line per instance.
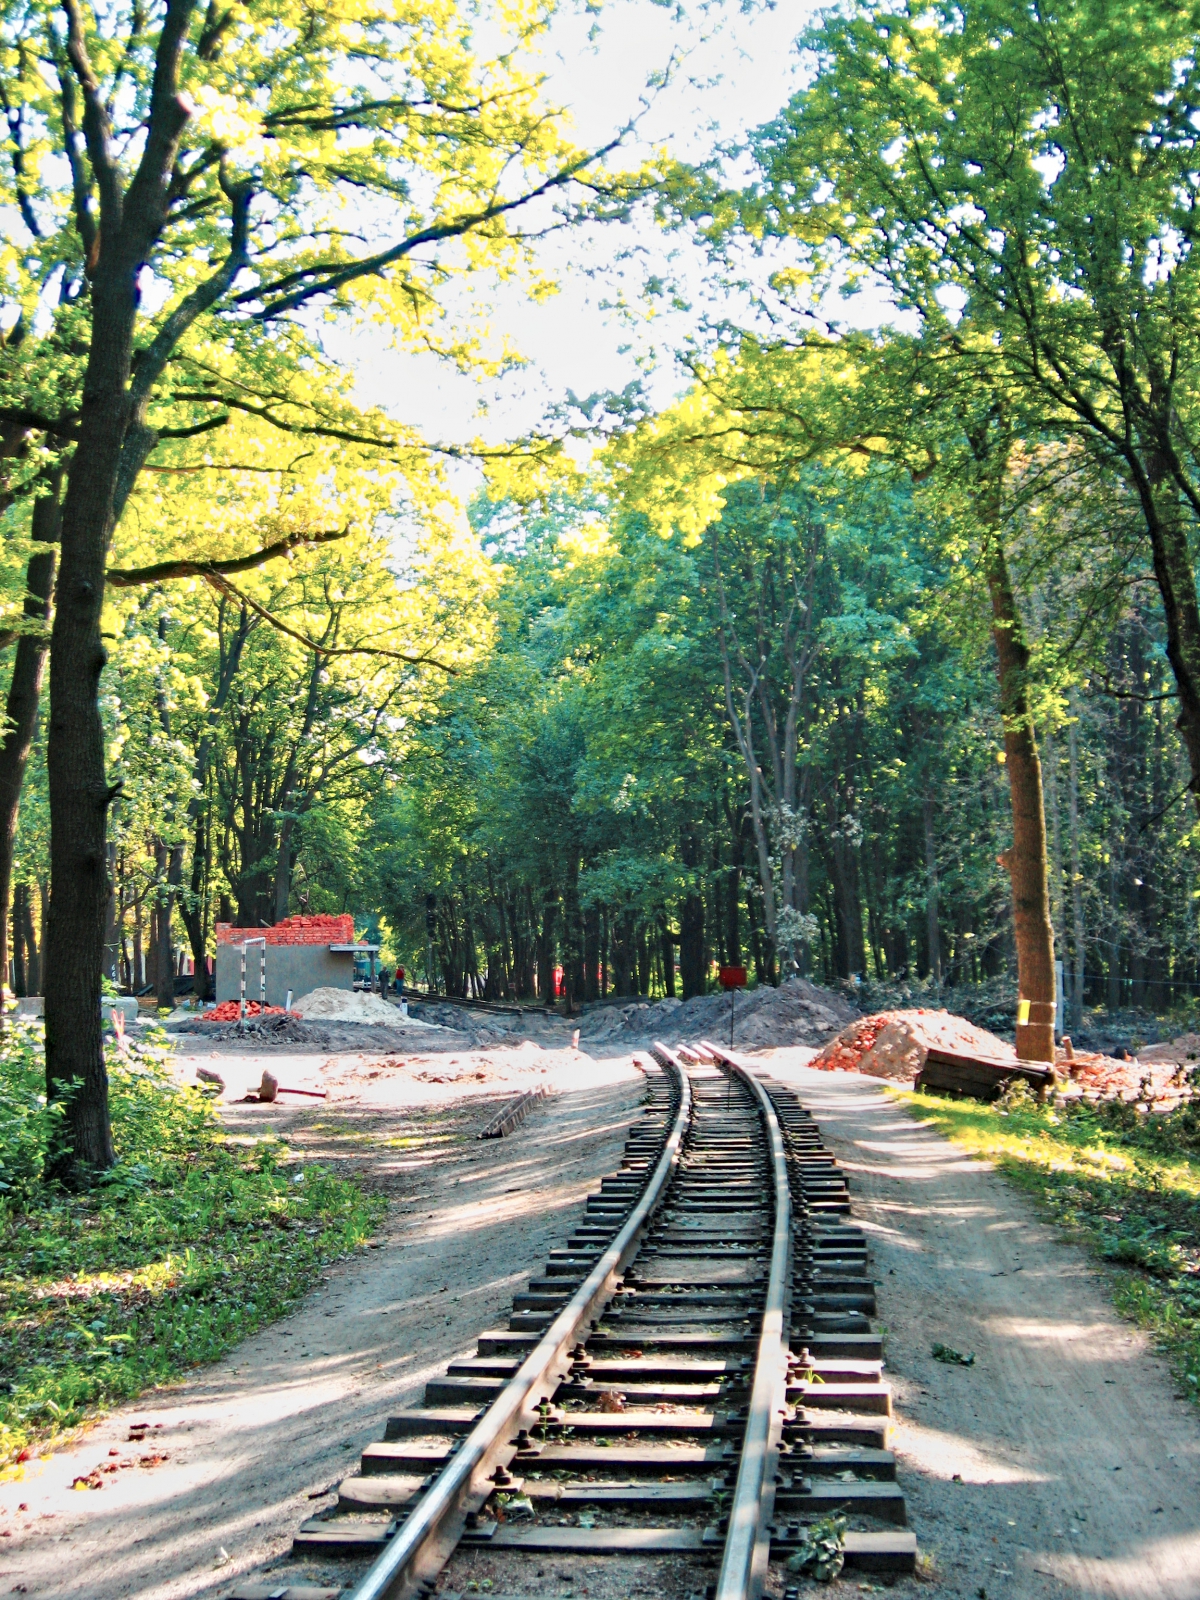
(1124, 1184)
(189, 1244)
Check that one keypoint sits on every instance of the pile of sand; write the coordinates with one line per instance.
(353, 1005)
(894, 1044)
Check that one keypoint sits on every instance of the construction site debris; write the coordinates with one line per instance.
(270, 1088)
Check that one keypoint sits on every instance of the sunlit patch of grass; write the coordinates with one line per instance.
(188, 1245)
(1125, 1185)
(419, 1141)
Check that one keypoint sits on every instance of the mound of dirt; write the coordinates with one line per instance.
(1181, 1052)
(894, 1044)
(350, 1005)
(273, 1027)
(797, 1013)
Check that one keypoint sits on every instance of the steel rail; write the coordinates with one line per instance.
(422, 1544)
(748, 1542)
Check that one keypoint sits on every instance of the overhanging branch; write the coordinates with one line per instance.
(223, 586)
(164, 571)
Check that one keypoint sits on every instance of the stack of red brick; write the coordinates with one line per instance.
(229, 1011)
(323, 929)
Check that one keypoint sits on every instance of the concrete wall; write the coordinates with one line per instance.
(298, 967)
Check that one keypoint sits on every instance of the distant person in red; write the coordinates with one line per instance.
(400, 981)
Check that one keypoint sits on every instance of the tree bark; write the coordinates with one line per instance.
(1025, 859)
(112, 444)
(24, 694)
(112, 934)
(1054, 840)
(1175, 574)
(33, 973)
(20, 977)
(546, 947)
(1078, 930)
(691, 926)
(591, 953)
(171, 869)
(667, 949)
(933, 930)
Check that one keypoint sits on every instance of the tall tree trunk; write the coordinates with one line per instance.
(933, 930)
(1025, 859)
(171, 869)
(33, 966)
(1077, 929)
(1174, 571)
(691, 926)
(667, 947)
(572, 936)
(283, 869)
(591, 954)
(78, 784)
(20, 975)
(546, 947)
(24, 693)
(1055, 884)
(112, 939)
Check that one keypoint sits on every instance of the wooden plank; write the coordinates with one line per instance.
(873, 1399)
(977, 1076)
(431, 1419)
(381, 1492)
(281, 1591)
(871, 1499)
(869, 1552)
(595, 1541)
(511, 1116)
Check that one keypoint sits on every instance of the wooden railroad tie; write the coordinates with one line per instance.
(513, 1114)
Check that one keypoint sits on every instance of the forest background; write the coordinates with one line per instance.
(688, 680)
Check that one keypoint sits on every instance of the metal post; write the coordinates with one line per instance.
(262, 978)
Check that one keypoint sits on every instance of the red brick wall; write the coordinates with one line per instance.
(294, 930)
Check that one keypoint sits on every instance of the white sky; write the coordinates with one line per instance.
(733, 79)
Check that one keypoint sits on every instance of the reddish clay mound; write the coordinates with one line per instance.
(893, 1044)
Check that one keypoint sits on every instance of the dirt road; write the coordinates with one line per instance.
(1062, 1462)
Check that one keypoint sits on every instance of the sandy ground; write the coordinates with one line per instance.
(251, 1446)
(1063, 1462)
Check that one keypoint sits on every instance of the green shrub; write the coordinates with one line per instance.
(186, 1246)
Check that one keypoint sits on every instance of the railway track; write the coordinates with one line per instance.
(694, 1375)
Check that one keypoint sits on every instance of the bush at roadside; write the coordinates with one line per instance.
(190, 1243)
